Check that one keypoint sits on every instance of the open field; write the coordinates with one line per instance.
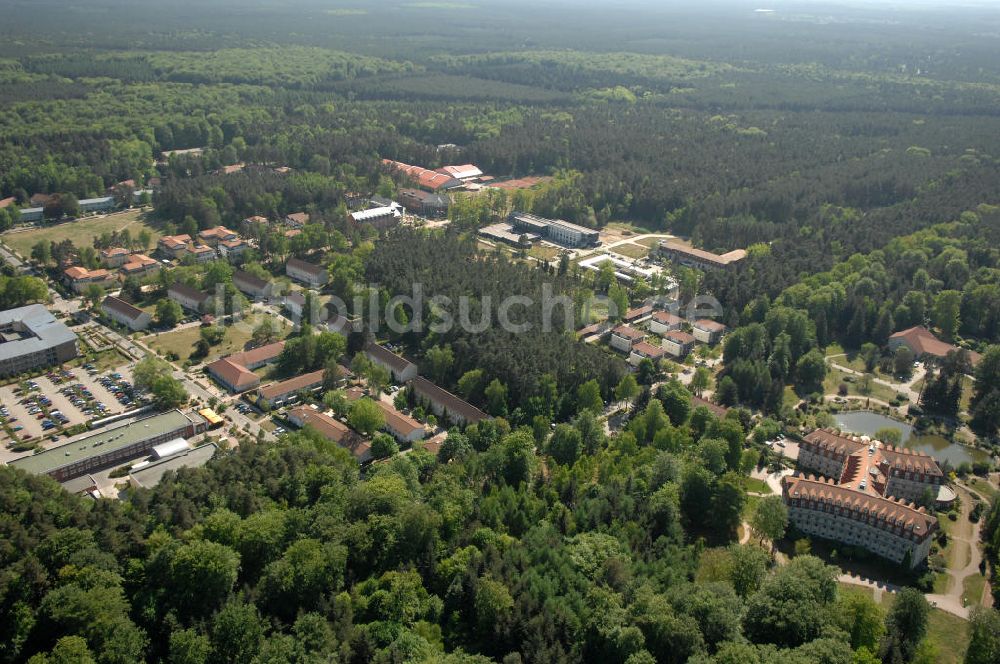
(543, 252)
(82, 232)
(182, 342)
(835, 377)
(631, 250)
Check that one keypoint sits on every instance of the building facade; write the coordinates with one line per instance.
(32, 338)
(307, 273)
(125, 314)
(861, 492)
(623, 338)
(679, 252)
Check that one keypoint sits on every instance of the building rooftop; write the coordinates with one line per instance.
(150, 475)
(36, 328)
(334, 430)
(375, 213)
(183, 290)
(679, 337)
(303, 382)
(707, 256)
(304, 266)
(175, 241)
(397, 421)
(386, 356)
(628, 332)
(461, 172)
(78, 272)
(102, 442)
(263, 353)
(667, 318)
(894, 513)
(709, 325)
(923, 342)
(249, 280)
(122, 307)
(236, 375)
(424, 177)
(448, 401)
(648, 350)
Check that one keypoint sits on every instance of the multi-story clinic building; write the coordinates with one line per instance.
(31, 337)
(861, 492)
(555, 230)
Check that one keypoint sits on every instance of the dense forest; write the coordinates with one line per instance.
(600, 550)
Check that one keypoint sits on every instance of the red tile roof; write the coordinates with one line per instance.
(425, 178)
(923, 342)
(4, 202)
(235, 375)
(122, 307)
(707, 256)
(886, 512)
(637, 312)
(259, 354)
(709, 325)
(649, 350)
(667, 318)
(304, 382)
(77, 273)
(402, 424)
(628, 332)
(451, 403)
(679, 337)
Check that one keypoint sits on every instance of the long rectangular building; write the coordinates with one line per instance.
(555, 230)
(108, 447)
(31, 338)
(445, 404)
(888, 528)
(699, 258)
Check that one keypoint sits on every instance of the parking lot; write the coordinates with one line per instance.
(64, 398)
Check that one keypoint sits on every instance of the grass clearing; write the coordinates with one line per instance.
(631, 250)
(182, 342)
(83, 232)
(543, 252)
(835, 377)
(756, 485)
(972, 588)
(984, 488)
(651, 242)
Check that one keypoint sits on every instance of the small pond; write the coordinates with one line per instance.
(866, 424)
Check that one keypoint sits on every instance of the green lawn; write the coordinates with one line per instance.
(650, 242)
(83, 232)
(631, 250)
(182, 342)
(835, 377)
(973, 587)
(756, 485)
(983, 487)
(543, 252)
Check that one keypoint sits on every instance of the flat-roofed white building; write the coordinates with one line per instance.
(31, 337)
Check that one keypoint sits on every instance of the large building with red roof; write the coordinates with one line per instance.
(862, 492)
(425, 178)
(924, 345)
